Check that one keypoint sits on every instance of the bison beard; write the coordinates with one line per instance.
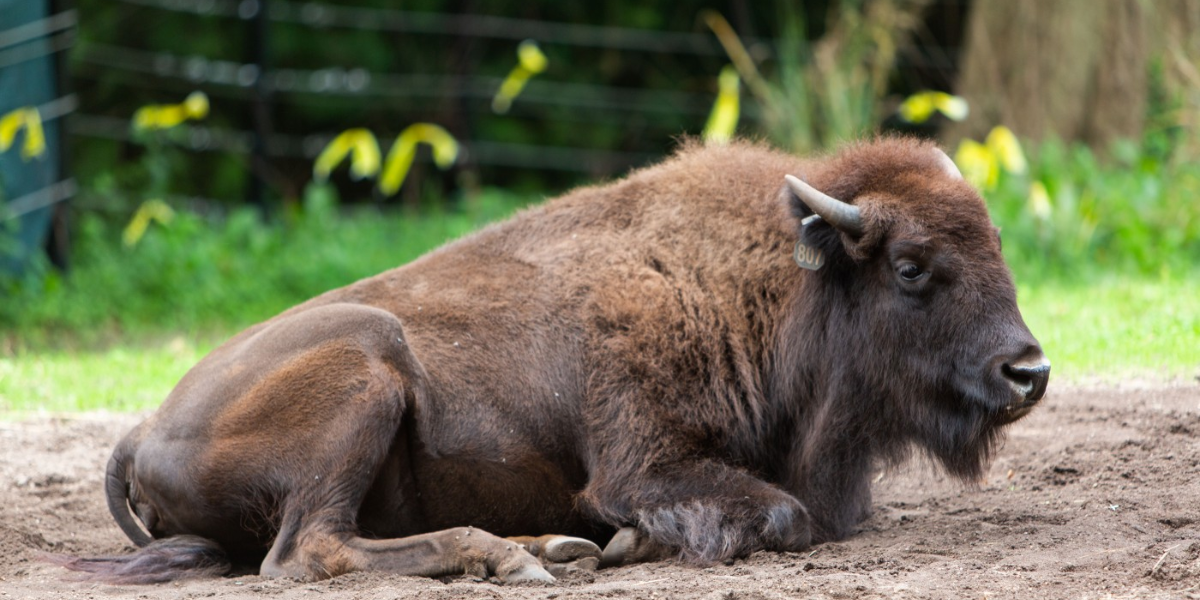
(643, 358)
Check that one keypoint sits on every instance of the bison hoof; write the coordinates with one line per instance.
(619, 547)
(630, 546)
(528, 573)
(563, 549)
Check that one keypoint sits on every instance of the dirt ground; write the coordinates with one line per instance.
(1095, 495)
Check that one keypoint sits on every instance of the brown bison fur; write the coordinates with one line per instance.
(643, 354)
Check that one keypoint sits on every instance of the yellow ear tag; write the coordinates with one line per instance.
(808, 257)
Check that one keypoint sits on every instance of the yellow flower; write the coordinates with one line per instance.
(530, 62)
(977, 164)
(919, 107)
(981, 163)
(531, 57)
(1007, 149)
(400, 157)
(150, 210)
(166, 116)
(724, 117)
(9, 124)
(196, 105)
(1039, 200)
(159, 117)
(364, 154)
(35, 138)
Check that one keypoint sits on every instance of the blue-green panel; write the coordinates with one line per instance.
(28, 82)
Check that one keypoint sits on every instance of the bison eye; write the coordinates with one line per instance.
(910, 271)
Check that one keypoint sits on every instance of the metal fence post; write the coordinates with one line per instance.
(255, 11)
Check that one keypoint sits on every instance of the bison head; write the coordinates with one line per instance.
(934, 346)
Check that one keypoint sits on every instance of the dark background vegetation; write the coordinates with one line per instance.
(625, 79)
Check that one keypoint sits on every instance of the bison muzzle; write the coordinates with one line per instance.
(643, 364)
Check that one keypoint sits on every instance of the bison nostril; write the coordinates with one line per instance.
(1028, 377)
(1021, 380)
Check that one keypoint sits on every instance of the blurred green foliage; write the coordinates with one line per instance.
(1136, 216)
(198, 273)
(820, 93)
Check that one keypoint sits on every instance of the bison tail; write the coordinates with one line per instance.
(155, 561)
(160, 561)
(116, 489)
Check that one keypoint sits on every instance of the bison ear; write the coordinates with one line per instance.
(828, 223)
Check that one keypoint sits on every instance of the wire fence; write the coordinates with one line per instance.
(321, 15)
(252, 81)
(262, 91)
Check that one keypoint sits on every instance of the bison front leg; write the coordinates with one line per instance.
(701, 511)
(321, 553)
(450, 552)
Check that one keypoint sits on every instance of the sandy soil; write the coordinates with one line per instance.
(1095, 495)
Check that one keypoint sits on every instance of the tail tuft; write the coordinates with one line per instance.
(168, 559)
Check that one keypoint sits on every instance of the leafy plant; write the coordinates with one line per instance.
(35, 138)
(1072, 218)
(530, 62)
(365, 163)
(204, 273)
(826, 92)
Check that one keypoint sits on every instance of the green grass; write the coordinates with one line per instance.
(1108, 331)
(127, 377)
(1117, 328)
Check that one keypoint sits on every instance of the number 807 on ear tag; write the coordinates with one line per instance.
(808, 257)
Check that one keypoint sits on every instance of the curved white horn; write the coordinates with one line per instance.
(844, 217)
(947, 164)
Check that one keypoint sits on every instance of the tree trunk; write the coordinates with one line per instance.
(1071, 69)
(1176, 27)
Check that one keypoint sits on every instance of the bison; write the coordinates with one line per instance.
(706, 358)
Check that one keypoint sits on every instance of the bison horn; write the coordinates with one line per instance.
(845, 217)
(947, 164)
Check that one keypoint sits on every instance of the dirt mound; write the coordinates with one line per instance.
(1095, 495)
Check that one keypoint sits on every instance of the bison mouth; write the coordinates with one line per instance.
(989, 407)
(1000, 405)
(1015, 411)
(1006, 391)
(1028, 387)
